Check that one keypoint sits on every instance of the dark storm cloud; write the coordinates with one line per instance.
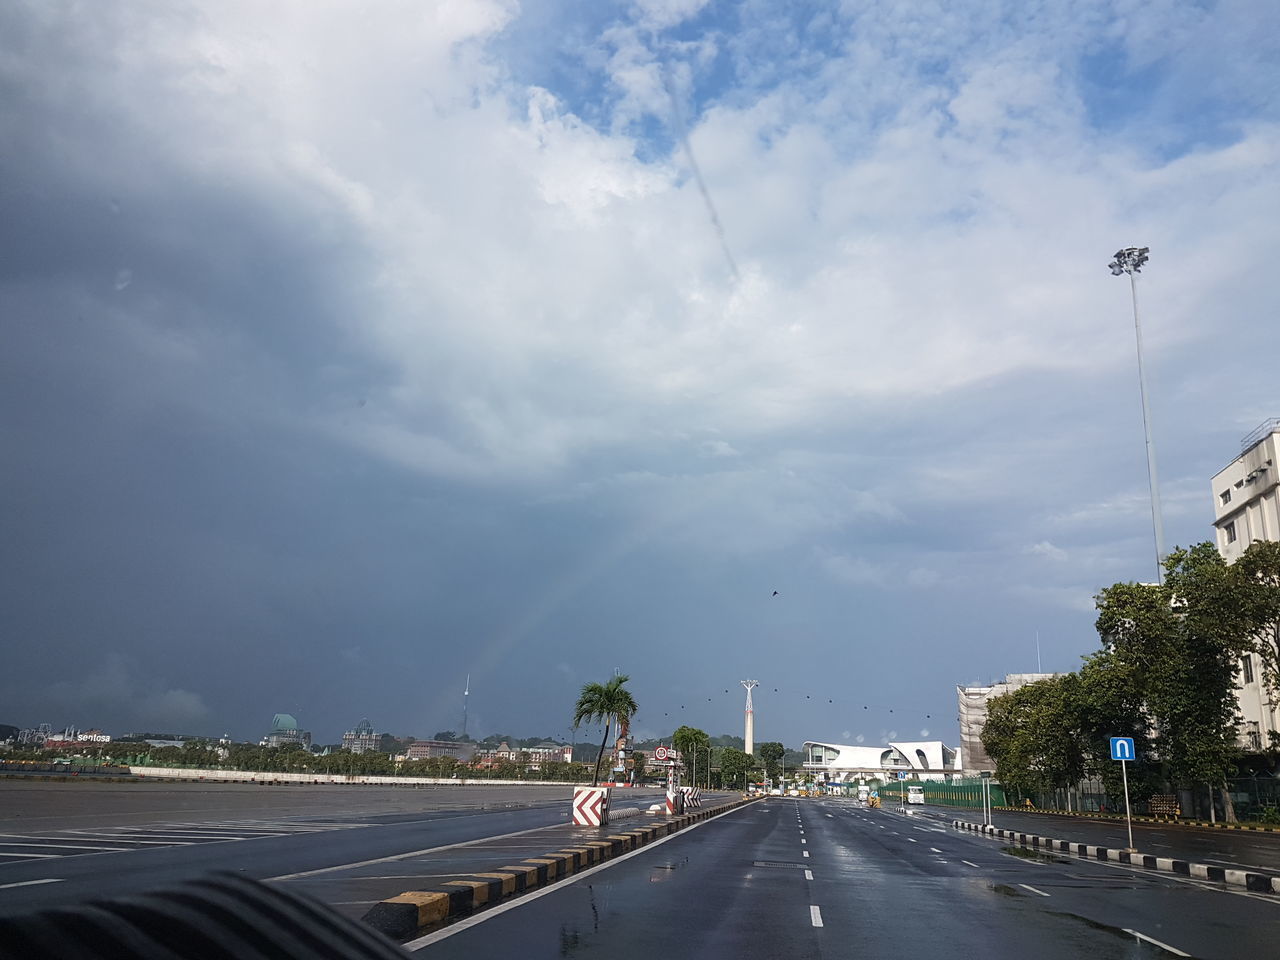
(338, 365)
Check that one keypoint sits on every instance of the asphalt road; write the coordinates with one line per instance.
(1224, 848)
(65, 843)
(823, 878)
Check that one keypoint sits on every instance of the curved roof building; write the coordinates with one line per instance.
(924, 759)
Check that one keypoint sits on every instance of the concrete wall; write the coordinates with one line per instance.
(249, 776)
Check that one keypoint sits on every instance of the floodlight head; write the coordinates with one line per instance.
(1129, 260)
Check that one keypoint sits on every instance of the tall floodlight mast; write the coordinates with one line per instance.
(1130, 260)
(750, 736)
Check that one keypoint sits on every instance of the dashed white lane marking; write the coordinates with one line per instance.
(934, 850)
(829, 816)
(805, 852)
(29, 883)
(808, 874)
(1154, 942)
(803, 840)
(815, 917)
(1027, 886)
(880, 825)
(912, 840)
(974, 865)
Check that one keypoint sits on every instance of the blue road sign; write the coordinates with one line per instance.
(1122, 748)
(902, 774)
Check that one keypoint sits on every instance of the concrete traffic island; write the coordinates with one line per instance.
(415, 912)
(1248, 879)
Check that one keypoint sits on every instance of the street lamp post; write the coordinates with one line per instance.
(1130, 260)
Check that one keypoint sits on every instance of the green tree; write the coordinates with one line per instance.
(771, 753)
(1033, 735)
(691, 742)
(605, 702)
(734, 766)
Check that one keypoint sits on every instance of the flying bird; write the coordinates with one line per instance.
(775, 593)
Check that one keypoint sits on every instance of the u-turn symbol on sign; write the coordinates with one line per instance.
(1122, 748)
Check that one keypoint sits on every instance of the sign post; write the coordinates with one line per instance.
(1122, 750)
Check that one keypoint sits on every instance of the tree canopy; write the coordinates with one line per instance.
(1165, 676)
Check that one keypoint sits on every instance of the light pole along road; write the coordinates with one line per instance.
(1130, 260)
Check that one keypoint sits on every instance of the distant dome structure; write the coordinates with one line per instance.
(285, 729)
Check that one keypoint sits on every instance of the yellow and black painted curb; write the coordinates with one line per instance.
(1168, 821)
(416, 911)
(1248, 879)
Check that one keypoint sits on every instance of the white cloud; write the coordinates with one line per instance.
(854, 570)
(1047, 550)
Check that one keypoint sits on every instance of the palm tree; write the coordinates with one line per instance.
(607, 702)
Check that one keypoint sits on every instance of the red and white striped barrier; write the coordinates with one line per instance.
(675, 801)
(590, 806)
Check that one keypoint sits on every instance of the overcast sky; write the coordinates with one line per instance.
(350, 349)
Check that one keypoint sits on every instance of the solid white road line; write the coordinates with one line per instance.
(808, 874)
(415, 853)
(1154, 942)
(65, 846)
(29, 883)
(33, 856)
(974, 865)
(815, 917)
(1027, 886)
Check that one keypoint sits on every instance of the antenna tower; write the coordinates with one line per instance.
(465, 693)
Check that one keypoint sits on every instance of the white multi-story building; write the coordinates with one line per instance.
(1246, 507)
(1246, 494)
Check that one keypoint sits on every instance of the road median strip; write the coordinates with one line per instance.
(1248, 879)
(417, 911)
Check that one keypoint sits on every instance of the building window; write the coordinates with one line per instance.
(1255, 738)
(1246, 667)
(1225, 497)
(1230, 531)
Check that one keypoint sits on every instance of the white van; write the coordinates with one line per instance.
(915, 794)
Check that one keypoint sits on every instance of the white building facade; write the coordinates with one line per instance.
(1246, 507)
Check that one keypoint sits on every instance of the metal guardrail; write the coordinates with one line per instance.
(1264, 429)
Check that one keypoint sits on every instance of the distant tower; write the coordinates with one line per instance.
(465, 693)
(751, 718)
